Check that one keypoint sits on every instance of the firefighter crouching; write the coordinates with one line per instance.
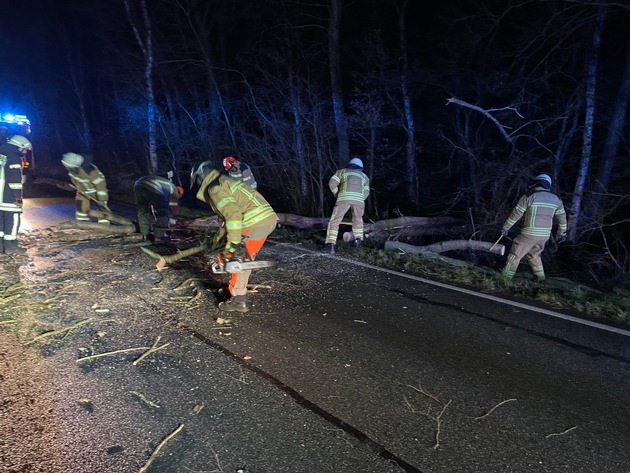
(157, 201)
(11, 153)
(248, 219)
(90, 184)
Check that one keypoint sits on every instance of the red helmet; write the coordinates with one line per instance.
(229, 163)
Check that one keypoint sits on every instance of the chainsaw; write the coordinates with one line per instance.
(237, 266)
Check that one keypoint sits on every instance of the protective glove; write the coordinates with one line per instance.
(172, 221)
(504, 232)
(561, 238)
(234, 251)
(218, 236)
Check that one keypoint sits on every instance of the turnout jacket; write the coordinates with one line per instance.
(538, 211)
(90, 181)
(10, 178)
(240, 206)
(350, 185)
(245, 175)
(162, 189)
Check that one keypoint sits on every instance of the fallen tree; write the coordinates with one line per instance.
(450, 245)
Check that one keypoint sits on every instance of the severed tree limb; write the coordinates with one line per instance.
(98, 227)
(153, 348)
(157, 450)
(448, 245)
(163, 261)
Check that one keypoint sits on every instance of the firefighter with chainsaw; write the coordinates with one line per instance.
(157, 202)
(239, 171)
(352, 187)
(11, 154)
(90, 184)
(538, 208)
(248, 219)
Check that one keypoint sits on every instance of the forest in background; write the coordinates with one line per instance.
(453, 106)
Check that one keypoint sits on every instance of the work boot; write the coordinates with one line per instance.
(235, 304)
(328, 248)
(357, 243)
(150, 238)
(12, 248)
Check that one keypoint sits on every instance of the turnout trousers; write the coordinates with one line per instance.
(532, 248)
(253, 238)
(339, 211)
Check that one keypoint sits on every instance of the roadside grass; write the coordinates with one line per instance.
(559, 293)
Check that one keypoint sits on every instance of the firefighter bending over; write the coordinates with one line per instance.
(240, 171)
(352, 187)
(11, 153)
(157, 202)
(248, 219)
(538, 207)
(90, 184)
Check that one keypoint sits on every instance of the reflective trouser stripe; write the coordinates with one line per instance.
(532, 248)
(340, 210)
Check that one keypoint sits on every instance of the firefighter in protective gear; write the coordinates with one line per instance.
(538, 208)
(11, 153)
(239, 171)
(248, 219)
(157, 201)
(352, 187)
(90, 184)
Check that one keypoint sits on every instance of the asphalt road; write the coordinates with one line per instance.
(351, 368)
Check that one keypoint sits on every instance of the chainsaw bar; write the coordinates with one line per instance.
(240, 266)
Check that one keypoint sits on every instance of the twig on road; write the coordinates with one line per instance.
(561, 433)
(156, 451)
(153, 348)
(57, 332)
(438, 428)
(143, 398)
(109, 353)
(490, 411)
(426, 393)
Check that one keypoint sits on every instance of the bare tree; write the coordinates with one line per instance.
(613, 136)
(587, 136)
(334, 54)
(145, 42)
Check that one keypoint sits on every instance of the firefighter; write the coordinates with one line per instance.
(11, 153)
(157, 202)
(248, 219)
(352, 187)
(239, 171)
(539, 207)
(90, 184)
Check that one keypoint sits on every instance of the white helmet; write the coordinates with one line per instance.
(543, 178)
(72, 160)
(199, 173)
(357, 162)
(20, 142)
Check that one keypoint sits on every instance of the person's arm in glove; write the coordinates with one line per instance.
(235, 251)
(561, 238)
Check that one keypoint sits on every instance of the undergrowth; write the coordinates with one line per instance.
(559, 293)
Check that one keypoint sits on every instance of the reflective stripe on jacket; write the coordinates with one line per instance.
(161, 187)
(538, 211)
(240, 206)
(92, 184)
(350, 185)
(245, 175)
